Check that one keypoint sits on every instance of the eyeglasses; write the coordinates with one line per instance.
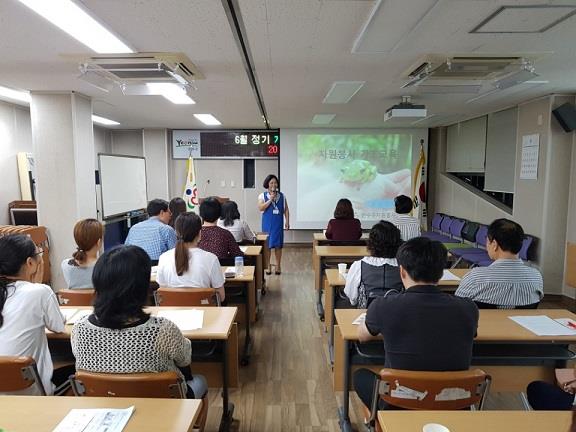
(39, 253)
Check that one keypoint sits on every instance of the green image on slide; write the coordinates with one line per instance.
(370, 170)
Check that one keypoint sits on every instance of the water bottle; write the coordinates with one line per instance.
(239, 265)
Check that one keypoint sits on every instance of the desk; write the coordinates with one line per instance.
(254, 255)
(477, 421)
(262, 240)
(494, 328)
(335, 282)
(43, 413)
(218, 325)
(247, 284)
(333, 254)
(319, 239)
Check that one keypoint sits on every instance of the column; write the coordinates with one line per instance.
(63, 144)
(156, 153)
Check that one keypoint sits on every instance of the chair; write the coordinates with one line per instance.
(430, 390)
(186, 297)
(19, 373)
(141, 385)
(77, 297)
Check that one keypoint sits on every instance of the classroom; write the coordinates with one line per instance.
(287, 215)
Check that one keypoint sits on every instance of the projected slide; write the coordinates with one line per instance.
(370, 170)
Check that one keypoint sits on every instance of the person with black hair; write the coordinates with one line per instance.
(119, 336)
(27, 308)
(274, 208)
(230, 220)
(424, 329)
(215, 239)
(377, 274)
(344, 226)
(188, 266)
(507, 283)
(154, 235)
(409, 226)
(177, 206)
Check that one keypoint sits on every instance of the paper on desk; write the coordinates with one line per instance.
(243, 249)
(68, 313)
(95, 420)
(542, 325)
(78, 316)
(190, 319)
(448, 276)
(361, 318)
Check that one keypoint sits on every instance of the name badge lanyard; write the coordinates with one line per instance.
(275, 209)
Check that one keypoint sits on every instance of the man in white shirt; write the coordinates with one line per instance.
(409, 226)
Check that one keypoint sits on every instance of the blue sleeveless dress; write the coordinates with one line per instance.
(273, 222)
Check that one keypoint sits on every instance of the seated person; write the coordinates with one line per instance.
(215, 239)
(154, 235)
(77, 271)
(378, 273)
(344, 226)
(119, 337)
(550, 397)
(188, 266)
(424, 329)
(176, 207)
(409, 226)
(27, 309)
(230, 220)
(506, 283)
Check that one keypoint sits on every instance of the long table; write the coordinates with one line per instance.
(43, 413)
(334, 255)
(335, 282)
(477, 421)
(509, 372)
(218, 325)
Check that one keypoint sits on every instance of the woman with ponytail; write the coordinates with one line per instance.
(77, 271)
(188, 266)
(27, 307)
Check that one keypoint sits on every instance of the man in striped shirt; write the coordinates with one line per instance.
(409, 226)
(507, 283)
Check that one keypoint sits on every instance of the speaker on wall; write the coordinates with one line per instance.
(566, 116)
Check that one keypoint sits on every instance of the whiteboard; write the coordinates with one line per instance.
(122, 184)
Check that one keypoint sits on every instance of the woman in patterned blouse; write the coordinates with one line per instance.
(119, 337)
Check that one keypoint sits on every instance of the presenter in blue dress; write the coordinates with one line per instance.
(274, 207)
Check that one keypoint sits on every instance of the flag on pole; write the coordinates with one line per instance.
(419, 186)
(190, 190)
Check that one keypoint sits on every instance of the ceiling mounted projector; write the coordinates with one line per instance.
(405, 110)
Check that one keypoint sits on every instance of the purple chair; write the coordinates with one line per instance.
(456, 228)
(526, 243)
(466, 253)
(446, 229)
(436, 221)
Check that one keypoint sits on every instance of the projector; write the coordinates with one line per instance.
(405, 110)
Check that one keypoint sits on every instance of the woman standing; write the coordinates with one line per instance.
(274, 207)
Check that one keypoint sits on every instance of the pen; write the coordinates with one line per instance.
(571, 325)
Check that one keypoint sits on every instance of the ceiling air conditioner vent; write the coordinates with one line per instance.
(148, 67)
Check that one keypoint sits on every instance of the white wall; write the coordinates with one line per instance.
(127, 142)
(15, 137)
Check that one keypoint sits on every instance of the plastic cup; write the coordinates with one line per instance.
(342, 268)
(434, 427)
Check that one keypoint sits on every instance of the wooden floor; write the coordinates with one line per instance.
(288, 384)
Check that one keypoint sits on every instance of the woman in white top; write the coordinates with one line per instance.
(230, 220)
(27, 307)
(378, 273)
(77, 271)
(188, 266)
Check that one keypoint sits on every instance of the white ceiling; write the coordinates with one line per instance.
(299, 47)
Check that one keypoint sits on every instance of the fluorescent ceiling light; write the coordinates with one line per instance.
(71, 18)
(173, 92)
(208, 119)
(16, 95)
(342, 91)
(323, 119)
(104, 121)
